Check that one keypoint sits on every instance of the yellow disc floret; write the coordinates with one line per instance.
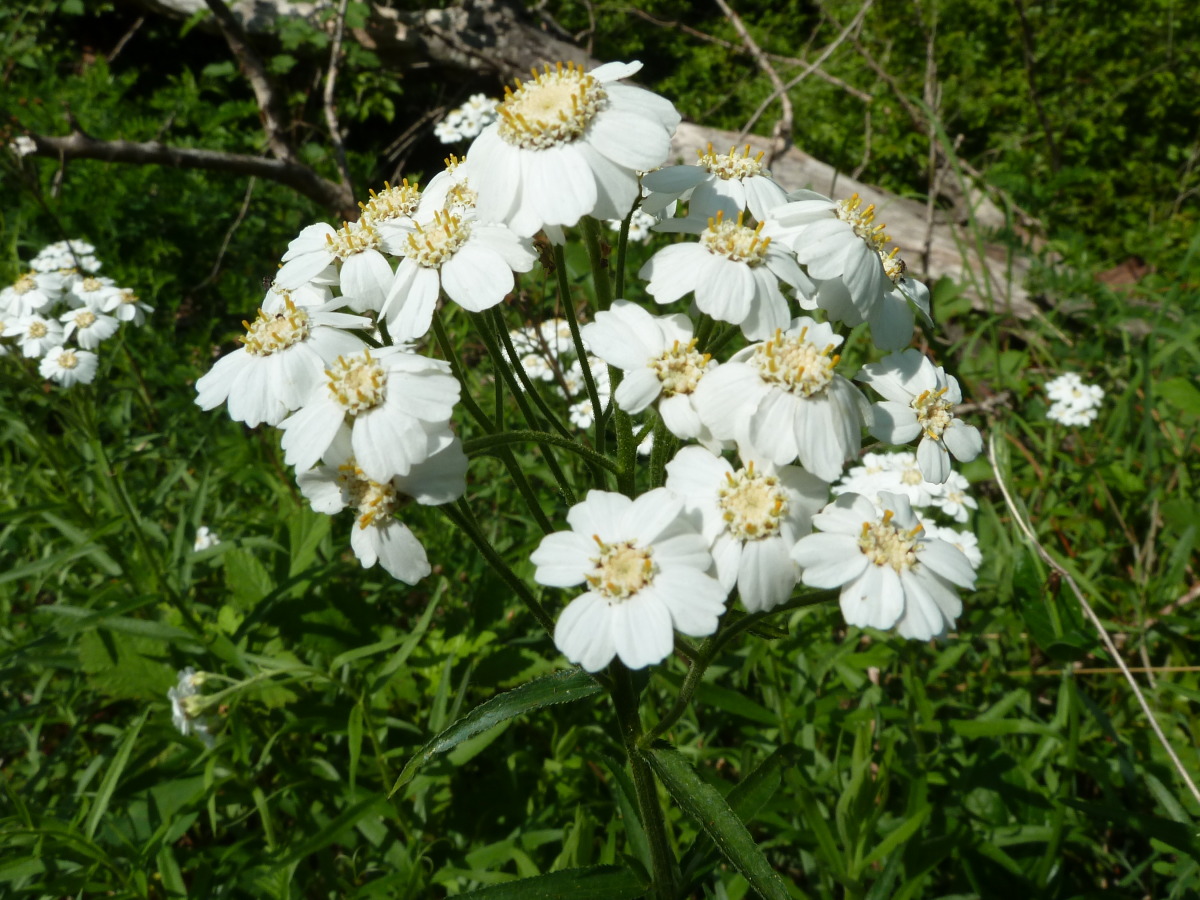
(735, 241)
(752, 504)
(731, 166)
(357, 384)
(934, 412)
(371, 500)
(862, 220)
(555, 108)
(886, 545)
(680, 368)
(351, 239)
(794, 364)
(393, 202)
(272, 333)
(433, 246)
(621, 570)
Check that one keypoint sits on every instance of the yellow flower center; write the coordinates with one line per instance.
(893, 265)
(357, 384)
(90, 284)
(371, 499)
(934, 413)
(25, 284)
(434, 247)
(886, 545)
(794, 364)
(391, 203)
(555, 108)
(752, 504)
(272, 333)
(36, 329)
(85, 318)
(862, 220)
(731, 166)
(129, 297)
(67, 359)
(351, 239)
(680, 368)
(621, 570)
(735, 241)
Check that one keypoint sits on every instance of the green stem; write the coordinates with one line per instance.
(592, 239)
(662, 860)
(564, 289)
(476, 411)
(622, 246)
(481, 445)
(709, 651)
(462, 519)
(531, 389)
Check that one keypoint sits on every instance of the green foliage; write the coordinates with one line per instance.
(1008, 760)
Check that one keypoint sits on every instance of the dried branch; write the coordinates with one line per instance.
(331, 117)
(781, 134)
(335, 197)
(241, 216)
(274, 121)
(813, 67)
(1095, 620)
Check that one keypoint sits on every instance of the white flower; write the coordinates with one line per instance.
(126, 306)
(35, 333)
(837, 239)
(718, 182)
(205, 539)
(734, 271)
(448, 191)
(951, 497)
(33, 292)
(752, 518)
(392, 210)
(895, 473)
(645, 567)
(23, 145)
(966, 541)
(64, 255)
(659, 358)
(573, 384)
(395, 405)
(183, 712)
(378, 536)
(582, 414)
(889, 573)
(89, 327)
(1074, 403)
(308, 297)
(92, 291)
(891, 317)
(640, 224)
(282, 359)
(920, 400)
(363, 273)
(471, 261)
(68, 366)
(782, 400)
(569, 144)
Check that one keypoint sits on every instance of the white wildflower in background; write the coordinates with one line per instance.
(952, 498)
(569, 144)
(919, 399)
(895, 473)
(782, 400)
(640, 224)
(185, 712)
(734, 272)
(205, 538)
(466, 121)
(730, 183)
(282, 360)
(645, 567)
(68, 366)
(394, 404)
(34, 292)
(751, 517)
(65, 255)
(127, 306)
(1073, 402)
(91, 291)
(23, 145)
(378, 535)
(890, 574)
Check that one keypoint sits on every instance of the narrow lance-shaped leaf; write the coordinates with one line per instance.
(561, 687)
(593, 883)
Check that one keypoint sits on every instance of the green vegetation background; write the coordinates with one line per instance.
(976, 767)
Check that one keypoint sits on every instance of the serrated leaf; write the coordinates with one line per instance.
(704, 803)
(247, 579)
(593, 883)
(561, 687)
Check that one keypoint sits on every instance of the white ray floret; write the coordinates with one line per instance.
(728, 183)
(350, 256)
(68, 366)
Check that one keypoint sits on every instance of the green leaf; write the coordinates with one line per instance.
(561, 687)
(247, 579)
(112, 776)
(593, 883)
(1181, 393)
(704, 803)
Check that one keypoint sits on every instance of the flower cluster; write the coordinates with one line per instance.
(61, 311)
(1073, 402)
(465, 122)
(750, 377)
(187, 708)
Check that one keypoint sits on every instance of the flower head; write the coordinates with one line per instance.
(68, 366)
(645, 567)
(1073, 402)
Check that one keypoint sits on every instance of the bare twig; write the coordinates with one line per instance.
(1095, 620)
(125, 38)
(331, 117)
(774, 57)
(781, 134)
(811, 68)
(216, 266)
(335, 197)
(270, 107)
